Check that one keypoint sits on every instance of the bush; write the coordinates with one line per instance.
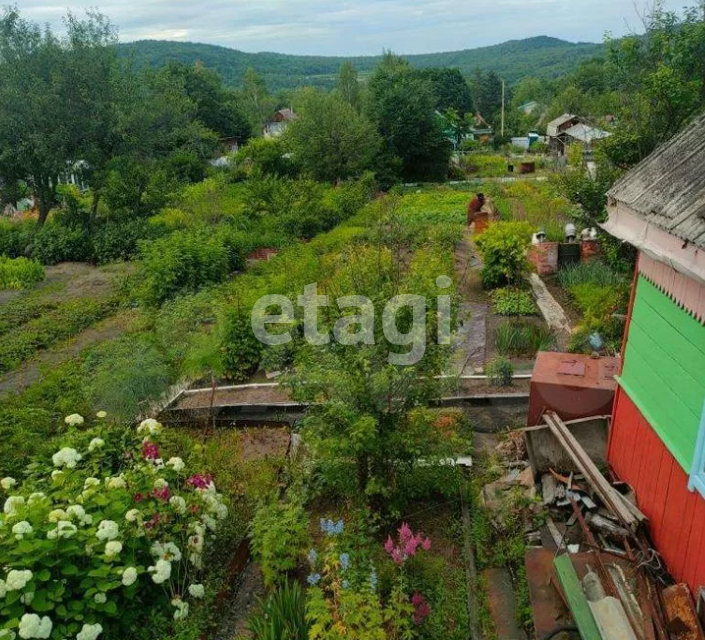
(20, 273)
(598, 302)
(503, 247)
(500, 372)
(520, 338)
(21, 310)
(185, 261)
(56, 243)
(15, 237)
(118, 240)
(106, 538)
(64, 322)
(511, 301)
(279, 533)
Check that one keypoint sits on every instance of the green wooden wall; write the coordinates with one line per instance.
(664, 369)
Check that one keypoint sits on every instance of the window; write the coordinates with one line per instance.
(697, 471)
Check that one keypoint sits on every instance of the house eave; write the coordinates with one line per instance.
(657, 243)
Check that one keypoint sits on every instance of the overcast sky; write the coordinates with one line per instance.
(339, 27)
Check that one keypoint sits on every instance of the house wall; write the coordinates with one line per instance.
(676, 515)
(657, 413)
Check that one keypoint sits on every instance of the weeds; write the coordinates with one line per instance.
(20, 273)
(592, 272)
(520, 338)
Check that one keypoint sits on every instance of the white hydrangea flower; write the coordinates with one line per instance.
(197, 590)
(101, 414)
(11, 505)
(117, 482)
(38, 496)
(6, 634)
(150, 426)
(89, 632)
(129, 576)
(66, 457)
(7, 483)
(90, 483)
(210, 522)
(74, 420)
(196, 559)
(76, 511)
(64, 529)
(133, 515)
(26, 598)
(166, 551)
(3, 590)
(181, 608)
(196, 543)
(178, 503)
(176, 463)
(161, 571)
(107, 530)
(32, 626)
(113, 548)
(95, 444)
(57, 474)
(57, 514)
(21, 529)
(17, 579)
(100, 598)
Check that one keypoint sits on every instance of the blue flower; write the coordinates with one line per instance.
(314, 579)
(373, 580)
(346, 584)
(344, 561)
(331, 528)
(312, 556)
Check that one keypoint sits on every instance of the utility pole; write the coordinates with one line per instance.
(502, 108)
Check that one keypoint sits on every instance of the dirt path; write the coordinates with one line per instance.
(31, 371)
(469, 346)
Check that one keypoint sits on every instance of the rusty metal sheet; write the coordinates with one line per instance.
(681, 618)
(572, 368)
(547, 606)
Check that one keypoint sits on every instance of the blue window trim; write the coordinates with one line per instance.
(697, 471)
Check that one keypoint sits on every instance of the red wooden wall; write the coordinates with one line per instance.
(676, 515)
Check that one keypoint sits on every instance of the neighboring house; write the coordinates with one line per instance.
(278, 124)
(528, 107)
(657, 440)
(525, 142)
(228, 146)
(555, 131)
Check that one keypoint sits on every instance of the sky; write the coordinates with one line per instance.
(339, 27)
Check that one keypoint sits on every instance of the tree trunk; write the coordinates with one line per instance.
(94, 206)
(44, 209)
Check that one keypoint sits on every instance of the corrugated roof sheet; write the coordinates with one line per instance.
(586, 133)
(668, 188)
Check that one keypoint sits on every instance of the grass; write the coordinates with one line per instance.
(511, 301)
(520, 338)
(20, 273)
(592, 272)
(17, 312)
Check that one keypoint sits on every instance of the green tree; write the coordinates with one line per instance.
(450, 88)
(402, 105)
(348, 85)
(330, 139)
(487, 94)
(256, 101)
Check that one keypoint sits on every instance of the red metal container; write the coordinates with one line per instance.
(589, 249)
(573, 385)
(544, 257)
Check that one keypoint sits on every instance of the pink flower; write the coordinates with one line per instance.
(397, 555)
(150, 451)
(152, 522)
(200, 481)
(421, 608)
(139, 497)
(389, 545)
(426, 544)
(162, 493)
(405, 533)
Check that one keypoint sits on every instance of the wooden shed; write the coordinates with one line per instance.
(657, 441)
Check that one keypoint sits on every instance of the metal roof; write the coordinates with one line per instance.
(667, 189)
(586, 133)
(552, 127)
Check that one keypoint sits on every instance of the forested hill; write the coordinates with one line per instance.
(540, 56)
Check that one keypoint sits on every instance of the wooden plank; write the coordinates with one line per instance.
(658, 508)
(673, 515)
(575, 597)
(684, 533)
(592, 474)
(695, 550)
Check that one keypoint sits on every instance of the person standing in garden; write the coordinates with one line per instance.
(475, 206)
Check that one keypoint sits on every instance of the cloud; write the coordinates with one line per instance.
(343, 27)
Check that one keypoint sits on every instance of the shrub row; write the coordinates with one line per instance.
(64, 322)
(17, 312)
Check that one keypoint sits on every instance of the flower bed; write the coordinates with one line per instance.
(105, 537)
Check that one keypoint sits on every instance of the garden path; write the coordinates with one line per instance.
(469, 343)
(31, 371)
(552, 312)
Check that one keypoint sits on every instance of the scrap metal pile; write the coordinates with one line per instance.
(592, 568)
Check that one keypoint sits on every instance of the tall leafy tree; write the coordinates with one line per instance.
(402, 105)
(330, 139)
(451, 89)
(256, 100)
(348, 85)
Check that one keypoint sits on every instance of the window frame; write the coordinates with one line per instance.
(696, 481)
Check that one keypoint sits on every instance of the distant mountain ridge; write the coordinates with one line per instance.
(540, 56)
